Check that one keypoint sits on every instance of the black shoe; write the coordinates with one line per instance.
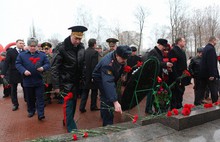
(41, 117)
(94, 109)
(82, 110)
(5, 96)
(30, 115)
(14, 108)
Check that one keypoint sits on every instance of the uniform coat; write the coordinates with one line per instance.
(106, 74)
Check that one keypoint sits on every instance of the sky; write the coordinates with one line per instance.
(52, 17)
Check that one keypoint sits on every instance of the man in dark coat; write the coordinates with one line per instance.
(31, 64)
(209, 70)
(177, 70)
(157, 52)
(14, 76)
(66, 70)
(105, 75)
(91, 60)
(132, 60)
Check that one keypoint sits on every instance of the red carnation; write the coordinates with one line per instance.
(75, 137)
(165, 59)
(127, 69)
(208, 105)
(186, 72)
(159, 80)
(135, 119)
(189, 106)
(34, 60)
(217, 103)
(175, 111)
(46, 85)
(169, 113)
(186, 111)
(85, 135)
(139, 63)
(218, 58)
(173, 60)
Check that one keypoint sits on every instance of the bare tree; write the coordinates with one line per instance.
(84, 18)
(141, 14)
(177, 18)
(129, 38)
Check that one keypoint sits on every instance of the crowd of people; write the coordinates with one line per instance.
(72, 70)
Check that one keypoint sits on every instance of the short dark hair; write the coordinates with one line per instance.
(91, 42)
(19, 40)
(178, 40)
(211, 38)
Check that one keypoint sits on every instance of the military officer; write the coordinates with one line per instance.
(66, 70)
(105, 75)
(47, 75)
(112, 45)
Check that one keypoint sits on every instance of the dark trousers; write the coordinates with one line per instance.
(84, 97)
(198, 98)
(14, 94)
(47, 94)
(35, 99)
(149, 101)
(69, 107)
(213, 87)
(7, 91)
(107, 115)
(177, 96)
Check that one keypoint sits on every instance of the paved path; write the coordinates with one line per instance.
(15, 126)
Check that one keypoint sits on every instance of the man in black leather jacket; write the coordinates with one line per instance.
(194, 68)
(66, 71)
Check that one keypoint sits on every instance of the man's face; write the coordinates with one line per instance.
(32, 47)
(182, 43)
(46, 50)
(214, 42)
(121, 60)
(75, 41)
(20, 44)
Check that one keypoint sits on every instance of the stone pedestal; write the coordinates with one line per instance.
(180, 122)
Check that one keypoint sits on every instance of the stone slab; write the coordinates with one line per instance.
(208, 132)
(180, 122)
